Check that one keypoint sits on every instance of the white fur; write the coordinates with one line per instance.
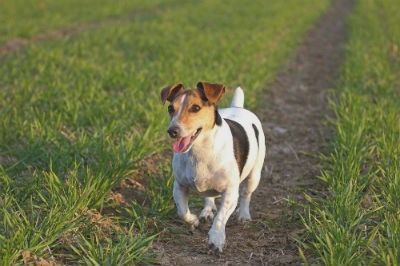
(175, 117)
(238, 98)
(210, 169)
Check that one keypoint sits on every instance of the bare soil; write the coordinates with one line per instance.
(293, 119)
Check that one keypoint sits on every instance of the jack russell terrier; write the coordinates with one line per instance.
(214, 151)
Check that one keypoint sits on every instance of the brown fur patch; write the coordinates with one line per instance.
(171, 92)
(188, 117)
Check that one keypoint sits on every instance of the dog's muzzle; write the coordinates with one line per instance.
(173, 132)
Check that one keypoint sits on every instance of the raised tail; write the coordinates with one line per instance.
(238, 98)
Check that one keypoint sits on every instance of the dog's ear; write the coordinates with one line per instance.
(211, 92)
(169, 93)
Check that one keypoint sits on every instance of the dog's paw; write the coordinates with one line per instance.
(216, 240)
(206, 215)
(192, 220)
(244, 217)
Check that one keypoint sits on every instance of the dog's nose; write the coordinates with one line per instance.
(173, 132)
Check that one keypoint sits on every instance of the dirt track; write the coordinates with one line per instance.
(293, 119)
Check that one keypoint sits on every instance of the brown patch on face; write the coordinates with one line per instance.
(193, 112)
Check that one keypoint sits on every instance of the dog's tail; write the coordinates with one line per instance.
(238, 98)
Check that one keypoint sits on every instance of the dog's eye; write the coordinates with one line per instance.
(195, 108)
(171, 109)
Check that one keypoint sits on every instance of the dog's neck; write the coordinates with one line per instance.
(210, 142)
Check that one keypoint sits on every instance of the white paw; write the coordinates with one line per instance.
(243, 216)
(192, 220)
(206, 214)
(216, 240)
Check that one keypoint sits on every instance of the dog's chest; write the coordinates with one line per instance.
(203, 176)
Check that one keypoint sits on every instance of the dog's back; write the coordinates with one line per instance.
(247, 132)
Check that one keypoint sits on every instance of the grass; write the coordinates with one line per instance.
(25, 19)
(358, 220)
(82, 112)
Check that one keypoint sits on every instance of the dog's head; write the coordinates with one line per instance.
(192, 112)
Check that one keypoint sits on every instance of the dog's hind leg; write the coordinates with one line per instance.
(247, 188)
(207, 214)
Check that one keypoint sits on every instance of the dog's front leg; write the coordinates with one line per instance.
(216, 235)
(181, 198)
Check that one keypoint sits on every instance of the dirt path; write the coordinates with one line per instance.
(293, 122)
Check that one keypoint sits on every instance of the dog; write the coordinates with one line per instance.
(215, 150)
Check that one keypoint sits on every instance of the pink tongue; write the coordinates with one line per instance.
(181, 144)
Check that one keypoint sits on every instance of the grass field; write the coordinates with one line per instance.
(358, 221)
(25, 19)
(81, 112)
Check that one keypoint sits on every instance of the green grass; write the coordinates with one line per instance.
(81, 112)
(358, 222)
(27, 18)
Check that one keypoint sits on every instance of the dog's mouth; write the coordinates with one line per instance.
(182, 145)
